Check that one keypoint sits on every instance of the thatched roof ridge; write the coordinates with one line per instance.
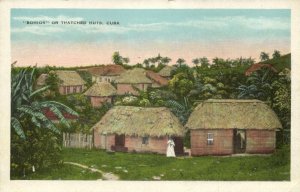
(69, 78)
(229, 114)
(134, 76)
(166, 71)
(258, 66)
(101, 89)
(139, 121)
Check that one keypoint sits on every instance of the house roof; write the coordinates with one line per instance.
(157, 78)
(69, 78)
(106, 70)
(136, 75)
(101, 89)
(166, 71)
(229, 114)
(41, 80)
(258, 66)
(140, 121)
(50, 115)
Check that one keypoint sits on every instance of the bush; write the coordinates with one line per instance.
(41, 149)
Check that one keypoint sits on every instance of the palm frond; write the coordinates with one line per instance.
(39, 91)
(59, 106)
(17, 127)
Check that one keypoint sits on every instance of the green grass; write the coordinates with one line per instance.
(63, 172)
(130, 166)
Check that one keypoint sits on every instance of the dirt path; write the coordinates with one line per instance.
(105, 176)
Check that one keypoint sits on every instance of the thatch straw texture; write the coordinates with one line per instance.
(139, 121)
(229, 114)
(70, 78)
(157, 78)
(101, 89)
(166, 71)
(135, 76)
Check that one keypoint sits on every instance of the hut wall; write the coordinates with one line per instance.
(128, 88)
(155, 144)
(103, 141)
(98, 101)
(64, 90)
(260, 141)
(222, 142)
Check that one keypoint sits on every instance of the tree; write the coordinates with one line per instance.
(146, 63)
(165, 60)
(196, 62)
(117, 58)
(180, 61)
(126, 60)
(29, 123)
(276, 54)
(204, 62)
(264, 56)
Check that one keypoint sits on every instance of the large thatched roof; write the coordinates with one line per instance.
(157, 78)
(101, 89)
(140, 121)
(136, 75)
(228, 114)
(166, 71)
(69, 78)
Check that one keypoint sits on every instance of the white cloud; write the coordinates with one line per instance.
(47, 18)
(38, 30)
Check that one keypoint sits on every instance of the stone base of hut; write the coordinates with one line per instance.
(136, 144)
(223, 142)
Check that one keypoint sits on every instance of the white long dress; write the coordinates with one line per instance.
(170, 148)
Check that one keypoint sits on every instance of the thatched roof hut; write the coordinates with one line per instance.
(166, 71)
(139, 121)
(41, 80)
(230, 114)
(69, 78)
(134, 76)
(101, 89)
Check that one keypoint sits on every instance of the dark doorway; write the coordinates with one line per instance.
(120, 140)
(239, 140)
(178, 146)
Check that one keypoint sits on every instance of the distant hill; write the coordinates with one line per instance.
(281, 63)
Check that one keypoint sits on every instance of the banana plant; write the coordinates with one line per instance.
(25, 105)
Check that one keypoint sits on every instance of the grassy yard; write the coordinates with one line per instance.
(63, 172)
(131, 166)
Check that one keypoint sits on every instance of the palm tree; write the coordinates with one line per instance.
(196, 62)
(204, 62)
(180, 61)
(276, 54)
(181, 110)
(117, 58)
(264, 56)
(146, 63)
(24, 104)
(165, 60)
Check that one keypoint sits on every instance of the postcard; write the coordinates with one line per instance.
(131, 96)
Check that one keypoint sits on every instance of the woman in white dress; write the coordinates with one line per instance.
(170, 148)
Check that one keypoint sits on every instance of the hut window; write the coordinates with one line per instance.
(210, 139)
(74, 89)
(145, 140)
(68, 89)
